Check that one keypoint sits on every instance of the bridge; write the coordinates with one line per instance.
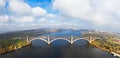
(71, 39)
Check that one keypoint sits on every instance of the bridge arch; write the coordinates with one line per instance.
(81, 39)
(39, 39)
(70, 40)
(80, 42)
(60, 39)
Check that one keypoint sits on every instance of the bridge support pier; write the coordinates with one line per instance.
(71, 40)
(48, 39)
(90, 41)
(27, 39)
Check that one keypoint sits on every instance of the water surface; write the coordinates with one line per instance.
(59, 49)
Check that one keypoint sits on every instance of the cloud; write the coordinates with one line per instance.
(22, 19)
(38, 12)
(2, 7)
(51, 16)
(47, 19)
(87, 14)
(18, 7)
(72, 8)
(2, 3)
(23, 16)
(96, 11)
(22, 12)
(4, 18)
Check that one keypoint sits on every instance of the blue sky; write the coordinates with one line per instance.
(46, 4)
(103, 15)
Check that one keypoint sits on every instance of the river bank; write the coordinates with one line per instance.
(115, 54)
(7, 46)
(100, 46)
(14, 49)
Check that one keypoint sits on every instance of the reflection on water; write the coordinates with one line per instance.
(60, 43)
(59, 49)
(38, 43)
(81, 43)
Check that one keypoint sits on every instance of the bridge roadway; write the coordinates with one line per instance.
(49, 39)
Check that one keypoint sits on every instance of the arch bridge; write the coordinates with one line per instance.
(71, 39)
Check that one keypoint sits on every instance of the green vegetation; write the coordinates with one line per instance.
(11, 44)
(107, 45)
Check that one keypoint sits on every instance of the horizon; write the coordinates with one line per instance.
(18, 15)
(55, 28)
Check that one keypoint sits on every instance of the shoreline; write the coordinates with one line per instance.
(28, 44)
(113, 53)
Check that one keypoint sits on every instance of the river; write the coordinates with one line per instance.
(58, 49)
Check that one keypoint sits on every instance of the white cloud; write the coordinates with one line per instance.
(73, 8)
(41, 20)
(47, 19)
(2, 7)
(37, 11)
(4, 18)
(18, 7)
(22, 19)
(101, 13)
(96, 11)
(2, 3)
(51, 16)
(22, 12)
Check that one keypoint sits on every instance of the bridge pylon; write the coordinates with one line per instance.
(27, 39)
(91, 39)
(71, 40)
(48, 39)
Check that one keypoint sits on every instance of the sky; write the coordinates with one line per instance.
(103, 15)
